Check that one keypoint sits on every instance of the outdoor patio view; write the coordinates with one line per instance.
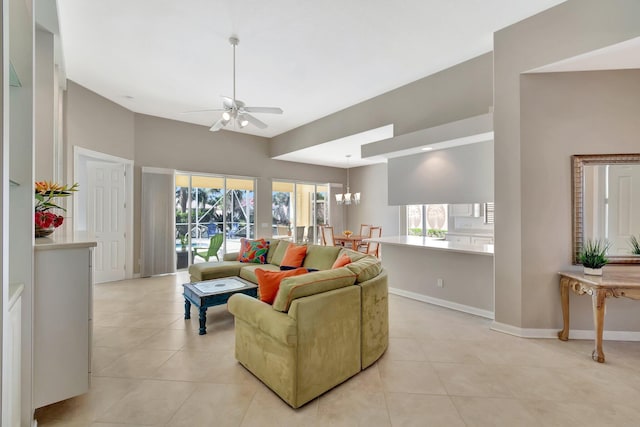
(212, 214)
(298, 210)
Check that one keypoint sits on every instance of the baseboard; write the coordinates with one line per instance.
(579, 334)
(443, 303)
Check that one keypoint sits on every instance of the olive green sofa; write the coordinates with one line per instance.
(323, 327)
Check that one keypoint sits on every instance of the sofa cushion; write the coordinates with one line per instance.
(214, 270)
(310, 284)
(279, 253)
(294, 255)
(354, 255)
(254, 251)
(321, 257)
(341, 261)
(248, 271)
(273, 245)
(269, 282)
(365, 268)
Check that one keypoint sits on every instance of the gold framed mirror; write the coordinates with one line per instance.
(606, 203)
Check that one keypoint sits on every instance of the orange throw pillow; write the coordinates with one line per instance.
(341, 261)
(269, 282)
(294, 256)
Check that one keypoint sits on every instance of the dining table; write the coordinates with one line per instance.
(352, 241)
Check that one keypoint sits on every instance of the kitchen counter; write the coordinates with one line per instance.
(455, 275)
(438, 244)
(62, 241)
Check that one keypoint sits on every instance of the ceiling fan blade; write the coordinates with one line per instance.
(270, 110)
(201, 111)
(218, 125)
(227, 102)
(257, 123)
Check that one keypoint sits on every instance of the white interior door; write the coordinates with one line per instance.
(624, 207)
(106, 218)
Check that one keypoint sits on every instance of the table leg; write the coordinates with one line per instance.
(187, 309)
(598, 299)
(203, 321)
(564, 297)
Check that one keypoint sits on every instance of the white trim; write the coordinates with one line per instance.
(443, 303)
(573, 334)
(79, 152)
(150, 169)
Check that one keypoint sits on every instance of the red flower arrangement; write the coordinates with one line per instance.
(45, 192)
(47, 219)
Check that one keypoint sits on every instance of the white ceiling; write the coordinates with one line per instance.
(311, 58)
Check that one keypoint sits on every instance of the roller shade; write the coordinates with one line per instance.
(456, 175)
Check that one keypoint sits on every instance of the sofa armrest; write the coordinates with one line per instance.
(262, 316)
(231, 256)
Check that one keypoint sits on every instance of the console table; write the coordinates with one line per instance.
(611, 284)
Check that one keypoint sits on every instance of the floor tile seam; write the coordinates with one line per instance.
(533, 413)
(385, 389)
(246, 411)
(181, 405)
(104, 410)
(158, 331)
(444, 385)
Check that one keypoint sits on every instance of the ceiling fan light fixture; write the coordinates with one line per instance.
(234, 110)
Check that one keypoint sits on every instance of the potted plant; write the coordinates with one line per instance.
(593, 256)
(182, 254)
(46, 221)
(635, 245)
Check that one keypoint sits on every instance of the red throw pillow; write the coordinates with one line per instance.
(269, 282)
(294, 256)
(341, 261)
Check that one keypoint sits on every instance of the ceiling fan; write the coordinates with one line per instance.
(235, 110)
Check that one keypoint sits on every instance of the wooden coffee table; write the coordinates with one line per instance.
(213, 292)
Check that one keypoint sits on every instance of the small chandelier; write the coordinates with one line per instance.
(348, 197)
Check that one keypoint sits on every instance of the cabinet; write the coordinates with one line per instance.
(12, 365)
(62, 320)
(458, 238)
(466, 210)
(477, 240)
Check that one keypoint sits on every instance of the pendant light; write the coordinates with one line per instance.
(348, 197)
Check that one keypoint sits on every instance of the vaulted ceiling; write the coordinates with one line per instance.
(311, 58)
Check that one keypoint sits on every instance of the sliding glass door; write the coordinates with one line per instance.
(206, 206)
(298, 209)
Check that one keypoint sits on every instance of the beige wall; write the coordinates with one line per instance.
(467, 278)
(569, 29)
(192, 148)
(564, 114)
(371, 182)
(97, 124)
(459, 92)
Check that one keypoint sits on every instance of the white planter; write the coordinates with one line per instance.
(593, 271)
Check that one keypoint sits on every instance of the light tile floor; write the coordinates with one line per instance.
(443, 368)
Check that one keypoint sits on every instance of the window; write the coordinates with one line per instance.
(207, 205)
(298, 209)
(427, 220)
